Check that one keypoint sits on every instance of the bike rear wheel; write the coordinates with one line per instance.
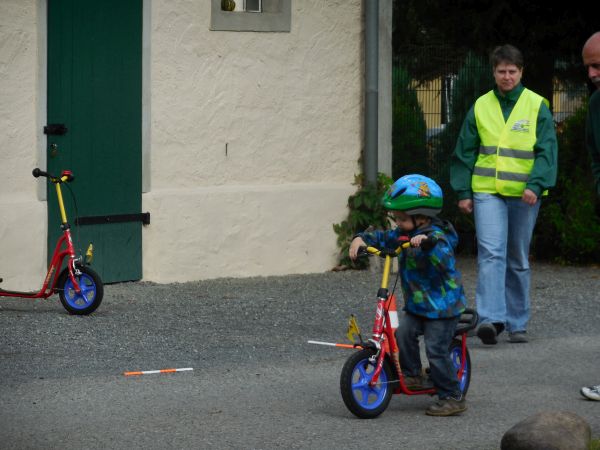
(90, 297)
(457, 357)
(362, 399)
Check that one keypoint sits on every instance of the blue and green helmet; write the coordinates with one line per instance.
(414, 194)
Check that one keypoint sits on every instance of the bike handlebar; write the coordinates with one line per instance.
(426, 244)
(39, 173)
(65, 176)
(429, 243)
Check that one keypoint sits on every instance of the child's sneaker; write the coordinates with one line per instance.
(447, 407)
(591, 392)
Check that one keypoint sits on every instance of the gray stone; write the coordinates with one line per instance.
(549, 430)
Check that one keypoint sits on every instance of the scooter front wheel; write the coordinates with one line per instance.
(90, 295)
(362, 399)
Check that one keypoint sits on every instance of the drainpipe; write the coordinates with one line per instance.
(372, 90)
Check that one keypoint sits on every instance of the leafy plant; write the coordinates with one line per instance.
(573, 224)
(568, 227)
(364, 210)
(409, 130)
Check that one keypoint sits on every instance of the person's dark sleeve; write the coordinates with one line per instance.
(592, 136)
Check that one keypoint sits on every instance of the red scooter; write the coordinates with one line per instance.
(78, 286)
(373, 374)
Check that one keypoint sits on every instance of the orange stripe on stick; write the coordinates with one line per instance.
(148, 372)
(335, 344)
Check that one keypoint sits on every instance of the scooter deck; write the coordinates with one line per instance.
(26, 294)
(20, 293)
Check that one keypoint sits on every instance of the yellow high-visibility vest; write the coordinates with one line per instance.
(506, 151)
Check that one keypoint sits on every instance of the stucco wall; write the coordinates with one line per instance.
(252, 148)
(23, 218)
(255, 141)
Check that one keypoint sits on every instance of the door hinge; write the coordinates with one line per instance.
(116, 218)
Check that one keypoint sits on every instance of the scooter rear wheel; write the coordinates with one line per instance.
(362, 399)
(456, 356)
(90, 297)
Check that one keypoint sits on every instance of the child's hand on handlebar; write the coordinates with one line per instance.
(415, 241)
(355, 246)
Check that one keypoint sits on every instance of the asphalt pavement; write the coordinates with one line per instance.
(256, 383)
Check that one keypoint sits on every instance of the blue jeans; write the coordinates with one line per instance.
(437, 334)
(504, 227)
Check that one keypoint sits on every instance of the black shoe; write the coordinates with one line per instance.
(499, 327)
(487, 333)
(518, 337)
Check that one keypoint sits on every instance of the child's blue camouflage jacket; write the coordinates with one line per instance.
(431, 284)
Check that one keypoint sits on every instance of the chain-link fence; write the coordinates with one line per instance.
(436, 103)
(428, 111)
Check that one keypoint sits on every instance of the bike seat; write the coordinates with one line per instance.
(468, 321)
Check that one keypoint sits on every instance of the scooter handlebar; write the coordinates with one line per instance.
(426, 244)
(429, 243)
(39, 173)
(66, 175)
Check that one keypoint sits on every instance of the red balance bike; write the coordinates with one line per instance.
(373, 374)
(79, 287)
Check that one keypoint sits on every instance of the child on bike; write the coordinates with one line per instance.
(431, 286)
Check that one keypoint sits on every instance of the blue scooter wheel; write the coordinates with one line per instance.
(362, 399)
(457, 357)
(90, 295)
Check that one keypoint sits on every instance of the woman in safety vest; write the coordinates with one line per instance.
(504, 162)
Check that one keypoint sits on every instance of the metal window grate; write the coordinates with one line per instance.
(253, 5)
(442, 102)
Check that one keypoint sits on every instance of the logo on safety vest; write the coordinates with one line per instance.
(521, 126)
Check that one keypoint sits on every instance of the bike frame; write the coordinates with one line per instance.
(383, 336)
(49, 284)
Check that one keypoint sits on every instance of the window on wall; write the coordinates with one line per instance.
(242, 5)
(252, 5)
(251, 15)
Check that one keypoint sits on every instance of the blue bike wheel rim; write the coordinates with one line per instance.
(87, 295)
(368, 397)
(456, 355)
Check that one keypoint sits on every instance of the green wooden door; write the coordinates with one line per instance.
(95, 91)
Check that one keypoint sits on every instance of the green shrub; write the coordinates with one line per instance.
(568, 228)
(409, 130)
(364, 211)
(569, 232)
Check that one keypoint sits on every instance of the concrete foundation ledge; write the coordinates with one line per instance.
(242, 231)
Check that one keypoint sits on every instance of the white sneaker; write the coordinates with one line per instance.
(591, 392)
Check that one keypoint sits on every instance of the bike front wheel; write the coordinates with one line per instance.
(90, 295)
(457, 359)
(362, 399)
